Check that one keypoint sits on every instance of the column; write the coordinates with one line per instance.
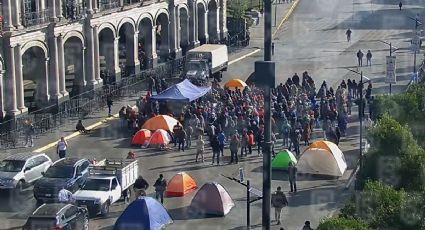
(173, 34)
(133, 55)
(61, 66)
(19, 80)
(52, 7)
(224, 20)
(2, 105)
(96, 62)
(45, 87)
(59, 13)
(89, 6)
(90, 66)
(217, 16)
(83, 67)
(7, 12)
(95, 6)
(116, 67)
(154, 55)
(206, 26)
(16, 17)
(54, 77)
(193, 14)
(10, 85)
(178, 34)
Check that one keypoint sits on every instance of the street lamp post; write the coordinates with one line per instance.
(391, 53)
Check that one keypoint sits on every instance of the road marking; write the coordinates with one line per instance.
(75, 134)
(244, 56)
(288, 14)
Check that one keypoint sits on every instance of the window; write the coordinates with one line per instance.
(114, 183)
(31, 163)
(70, 212)
(85, 165)
(40, 160)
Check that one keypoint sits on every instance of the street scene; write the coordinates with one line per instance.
(153, 114)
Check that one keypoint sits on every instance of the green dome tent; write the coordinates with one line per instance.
(282, 160)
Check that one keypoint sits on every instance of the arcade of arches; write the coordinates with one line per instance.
(43, 69)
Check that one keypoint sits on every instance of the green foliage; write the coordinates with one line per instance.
(237, 8)
(341, 223)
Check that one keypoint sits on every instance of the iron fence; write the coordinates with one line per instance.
(48, 119)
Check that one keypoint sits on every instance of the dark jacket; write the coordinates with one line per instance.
(141, 183)
(292, 173)
(160, 185)
(215, 144)
(279, 199)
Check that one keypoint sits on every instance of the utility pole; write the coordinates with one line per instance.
(391, 54)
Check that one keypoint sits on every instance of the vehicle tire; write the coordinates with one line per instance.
(86, 223)
(105, 209)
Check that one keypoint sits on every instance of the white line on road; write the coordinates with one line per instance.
(244, 56)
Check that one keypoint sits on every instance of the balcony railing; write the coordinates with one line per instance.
(35, 18)
(133, 2)
(74, 11)
(109, 4)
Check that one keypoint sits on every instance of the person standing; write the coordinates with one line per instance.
(369, 58)
(244, 143)
(278, 202)
(251, 141)
(176, 132)
(400, 5)
(189, 133)
(29, 132)
(307, 225)
(61, 148)
(200, 148)
(221, 140)
(215, 145)
(260, 141)
(182, 139)
(292, 176)
(297, 142)
(234, 147)
(109, 103)
(348, 33)
(160, 186)
(360, 57)
(140, 186)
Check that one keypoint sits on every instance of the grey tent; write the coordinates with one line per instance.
(211, 199)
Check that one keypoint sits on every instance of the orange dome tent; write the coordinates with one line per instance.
(159, 137)
(141, 137)
(181, 184)
(235, 83)
(164, 122)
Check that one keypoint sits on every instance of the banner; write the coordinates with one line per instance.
(390, 70)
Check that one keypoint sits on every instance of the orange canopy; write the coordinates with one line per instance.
(164, 122)
(181, 184)
(327, 145)
(236, 83)
(159, 137)
(141, 137)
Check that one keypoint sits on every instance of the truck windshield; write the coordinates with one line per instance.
(60, 172)
(195, 66)
(97, 185)
(11, 166)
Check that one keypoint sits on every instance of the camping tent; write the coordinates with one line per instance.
(141, 137)
(322, 158)
(180, 185)
(212, 199)
(282, 160)
(164, 122)
(183, 91)
(235, 83)
(159, 137)
(145, 213)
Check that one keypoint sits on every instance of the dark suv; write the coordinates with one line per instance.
(58, 216)
(68, 173)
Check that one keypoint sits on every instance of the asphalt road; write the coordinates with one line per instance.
(312, 40)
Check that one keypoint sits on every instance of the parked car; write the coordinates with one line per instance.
(20, 170)
(58, 216)
(68, 173)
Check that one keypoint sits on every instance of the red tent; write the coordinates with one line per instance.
(180, 185)
(141, 137)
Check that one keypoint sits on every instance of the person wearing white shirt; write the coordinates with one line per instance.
(62, 147)
(65, 196)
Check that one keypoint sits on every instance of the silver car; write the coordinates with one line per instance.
(20, 170)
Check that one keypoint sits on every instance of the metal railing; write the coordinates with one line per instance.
(48, 119)
(35, 18)
(133, 2)
(109, 4)
(74, 11)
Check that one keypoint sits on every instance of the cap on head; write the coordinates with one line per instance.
(279, 188)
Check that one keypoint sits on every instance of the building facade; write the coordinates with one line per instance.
(53, 49)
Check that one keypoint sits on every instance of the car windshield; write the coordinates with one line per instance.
(60, 172)
(97, 185)
(11, 166)
(195, 66)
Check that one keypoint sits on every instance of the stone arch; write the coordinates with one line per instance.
(146, 43)
(126, 20)
(73, 48)
(35, 43)
(162, 22)
(108, 55)
(145, 16)
(126, 48)
(76, 34)
(35, 75)
(109, 26)
(161, 11)
(184, 28)
(202, 22)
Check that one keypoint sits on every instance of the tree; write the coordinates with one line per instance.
(342, 223)
(237, 8)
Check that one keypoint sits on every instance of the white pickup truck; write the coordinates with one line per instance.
(108, 181)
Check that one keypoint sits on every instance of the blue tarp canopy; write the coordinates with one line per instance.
(183, 91)
(145, 213)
